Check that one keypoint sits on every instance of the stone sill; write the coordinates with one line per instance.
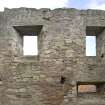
(27, 58)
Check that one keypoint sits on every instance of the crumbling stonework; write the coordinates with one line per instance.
(52, 77)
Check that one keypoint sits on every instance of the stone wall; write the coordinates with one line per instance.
(51, 77)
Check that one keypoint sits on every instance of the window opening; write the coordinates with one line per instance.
(90, 45)
(30, 46)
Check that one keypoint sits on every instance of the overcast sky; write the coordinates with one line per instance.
(79, 4)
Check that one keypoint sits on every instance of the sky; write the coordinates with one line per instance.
(87, 4)
(79, 4)
(90, 45)
(52, 4)
(30, 45)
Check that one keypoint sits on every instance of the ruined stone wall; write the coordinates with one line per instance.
(51, 77)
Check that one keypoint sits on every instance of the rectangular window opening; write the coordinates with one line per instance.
(87, 88)
(90, 45)
(30, 45)
(29, 36)
(91, 88)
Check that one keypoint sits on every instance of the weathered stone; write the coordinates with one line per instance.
(37, 80)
